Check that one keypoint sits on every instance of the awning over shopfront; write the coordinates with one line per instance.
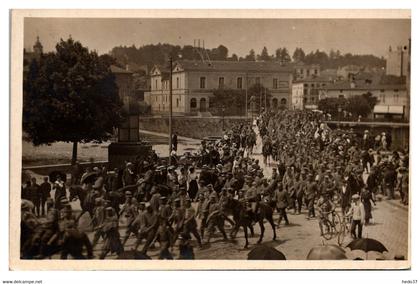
(311, 107)
(381, 109)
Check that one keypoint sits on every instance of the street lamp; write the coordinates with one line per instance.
(170, 107)
(339, 116)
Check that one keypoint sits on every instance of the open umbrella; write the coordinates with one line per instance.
(366, 245)
(132, 254)
(89, 177)
(55, 174)
(263, 252)
(326, 252)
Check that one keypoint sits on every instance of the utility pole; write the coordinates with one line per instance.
(246, 95)
(170, 110)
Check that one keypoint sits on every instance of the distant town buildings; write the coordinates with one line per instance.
(294, 86)
(305, 92)
(397, 61)
(193, 83)
(303, 71)
(392, 98)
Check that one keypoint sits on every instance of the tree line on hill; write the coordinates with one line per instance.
(152, 54)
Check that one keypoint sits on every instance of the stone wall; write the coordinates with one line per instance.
(194, 127)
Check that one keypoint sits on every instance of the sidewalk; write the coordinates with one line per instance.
(188, 139)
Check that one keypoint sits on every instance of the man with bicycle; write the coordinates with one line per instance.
(357, 213)
(324, 207)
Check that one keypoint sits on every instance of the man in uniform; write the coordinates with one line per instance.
(112, 242)
(149, 231)
(165, 238)
(202, 212)
(310, 194)
(165, 210)
(214, 219)
(253, 199)
(98, 219)
(190, 224)
(281, 198)
(129, 212)
(178, 218)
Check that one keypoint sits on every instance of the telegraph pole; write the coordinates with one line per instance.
(246, 95)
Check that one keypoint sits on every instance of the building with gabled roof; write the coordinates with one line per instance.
(193, 83)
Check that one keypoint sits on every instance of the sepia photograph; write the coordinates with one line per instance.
(253, 141)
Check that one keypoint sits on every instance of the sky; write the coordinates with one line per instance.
(357, 36)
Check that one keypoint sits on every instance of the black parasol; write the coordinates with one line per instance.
(263, 252)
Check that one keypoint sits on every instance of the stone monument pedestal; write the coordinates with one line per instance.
(119, 152)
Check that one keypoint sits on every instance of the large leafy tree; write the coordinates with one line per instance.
(70, 95)
(332, 105)
(232, 100)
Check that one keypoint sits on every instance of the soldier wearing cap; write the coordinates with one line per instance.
(150, 224)
(129, 212)
(214, 219)
(112, 242)
(67, 219)
(177, 217)
(165, 210)
(253, 198)
(310, 193)
(190, 224)
(155, 199)
(98, 219)
(164, 235)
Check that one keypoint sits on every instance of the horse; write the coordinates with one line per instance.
(242, 218)
(266, 151)
(77, 192)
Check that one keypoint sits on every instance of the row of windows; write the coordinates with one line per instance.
(239, 82)
(203, 83)
(317, 85)
(308, 72)
(165, 84)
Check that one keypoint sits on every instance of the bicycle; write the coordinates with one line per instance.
(345, 229)
(331, 227)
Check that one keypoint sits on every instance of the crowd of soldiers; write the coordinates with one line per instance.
(168, 205)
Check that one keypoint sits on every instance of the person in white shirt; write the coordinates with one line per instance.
(357, 212)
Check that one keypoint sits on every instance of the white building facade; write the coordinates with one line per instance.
(392, 99)
(193, 83)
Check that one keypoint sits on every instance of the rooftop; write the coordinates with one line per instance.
(238, 66)
(362, 85)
